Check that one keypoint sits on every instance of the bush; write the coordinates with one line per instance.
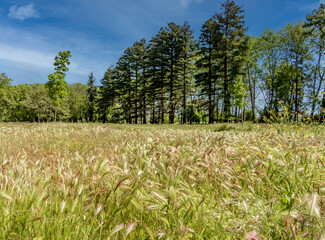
(191, 116)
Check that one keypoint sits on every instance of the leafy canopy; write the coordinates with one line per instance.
(57, 86)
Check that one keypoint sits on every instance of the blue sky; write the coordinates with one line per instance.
(97, 31)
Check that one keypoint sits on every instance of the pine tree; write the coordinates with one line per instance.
(206, 77)
(152, 73)
(143, 51)
(230, 43)
(138, 63)
(108, 92)
(92, 96)
(172, 36)
(158, 74)
(124, 85)
(186, 61)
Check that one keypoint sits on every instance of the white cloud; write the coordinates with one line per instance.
(23, 12)
(185, 3)
(20, 55)
(35, 58)
(28, 56)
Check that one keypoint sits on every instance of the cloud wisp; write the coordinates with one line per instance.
(185, 3)
(24, 12)
(28, 55)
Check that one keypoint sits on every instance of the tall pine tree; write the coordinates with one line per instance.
(186, 63)
(206, 76)
(92, 97)
(230, 43)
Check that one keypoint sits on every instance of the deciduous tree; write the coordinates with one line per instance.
(57, 86)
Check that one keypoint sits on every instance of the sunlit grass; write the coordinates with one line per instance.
(97, 181)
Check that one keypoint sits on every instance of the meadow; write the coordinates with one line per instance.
(102, 181)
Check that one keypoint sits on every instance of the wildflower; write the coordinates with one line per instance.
(252, 236)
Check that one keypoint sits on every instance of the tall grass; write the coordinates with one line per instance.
(96, 181)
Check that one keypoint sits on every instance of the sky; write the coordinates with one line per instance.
(98, 31)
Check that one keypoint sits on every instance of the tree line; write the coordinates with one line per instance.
(224, 75)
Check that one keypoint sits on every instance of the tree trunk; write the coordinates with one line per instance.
(322, 115)
(226, 109)
(296, 100)
(211, 120)
(152, 120)
(184, 93)
(252, 94)
(55, 109)
(217, 108)
(136, 97)
(144, 117)
(171, 85)
(162, 111)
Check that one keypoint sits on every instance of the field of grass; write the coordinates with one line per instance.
(98, 181)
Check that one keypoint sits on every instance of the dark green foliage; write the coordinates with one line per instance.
(230, 43)
(108, 92)
(191, 116)
(187, 57)
(206, 76)
(92, 97)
